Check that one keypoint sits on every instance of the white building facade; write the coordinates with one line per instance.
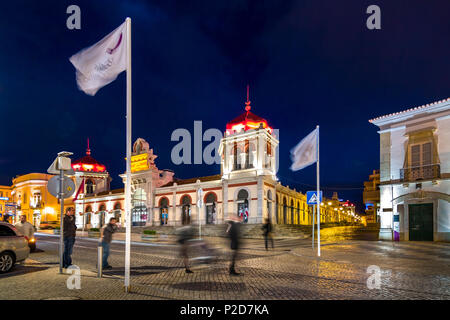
(415, 173)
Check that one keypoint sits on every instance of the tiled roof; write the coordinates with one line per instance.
(409, 110)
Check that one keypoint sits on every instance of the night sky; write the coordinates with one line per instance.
(307, 63)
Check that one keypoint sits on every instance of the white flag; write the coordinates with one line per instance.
(305, 153)
(101, 63)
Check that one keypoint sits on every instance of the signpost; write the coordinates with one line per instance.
(311, 199)
(61, 188)
(199, 206)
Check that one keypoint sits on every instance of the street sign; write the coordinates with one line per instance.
(68, 187)
(311, 197)
(61, 163)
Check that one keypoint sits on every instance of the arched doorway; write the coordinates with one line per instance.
(284, 210)
(139, 211)
(269, 204)
(163, 210)
(102, 215)
(210, 207)
(277, 209)
(186, 209)
(242, 205)
(292, 212)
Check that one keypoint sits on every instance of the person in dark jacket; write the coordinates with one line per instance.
(234, 234)
(107, 233)
(267, 229)
(69, 233)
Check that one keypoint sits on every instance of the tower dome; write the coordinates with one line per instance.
(88, 163)
(246, 121)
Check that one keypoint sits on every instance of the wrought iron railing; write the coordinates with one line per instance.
(431, 171)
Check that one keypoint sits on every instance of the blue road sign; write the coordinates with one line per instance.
(311, 197)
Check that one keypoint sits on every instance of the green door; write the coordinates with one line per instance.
(421, 222)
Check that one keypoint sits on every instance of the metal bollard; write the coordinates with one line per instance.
(100, 260)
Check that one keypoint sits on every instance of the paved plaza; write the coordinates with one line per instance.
(409, 270)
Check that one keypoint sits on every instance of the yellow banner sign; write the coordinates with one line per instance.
(139, 162)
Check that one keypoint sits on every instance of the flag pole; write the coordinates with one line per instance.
(318, 195)
(128, 165)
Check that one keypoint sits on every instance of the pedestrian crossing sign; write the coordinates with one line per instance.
(311, 197)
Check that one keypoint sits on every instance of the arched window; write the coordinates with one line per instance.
(298, 213)
(249, 154)
(237, 165)
(186, 209)
(210, 207)
(242, 203)
(89, 186)
(163, 210)
(117, 211)
(88, 212)
(284, 210)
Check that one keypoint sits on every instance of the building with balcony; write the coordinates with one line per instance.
(371, 197)
(415, 173)
(30, 197)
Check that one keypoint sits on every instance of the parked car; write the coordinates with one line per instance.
(13, 247)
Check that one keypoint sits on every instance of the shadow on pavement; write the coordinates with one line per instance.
(19, 270)
(138, 271)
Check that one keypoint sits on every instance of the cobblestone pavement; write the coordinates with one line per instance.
(409, 270)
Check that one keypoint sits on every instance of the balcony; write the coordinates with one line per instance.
(427, 172)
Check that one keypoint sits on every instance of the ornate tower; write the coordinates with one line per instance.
(248, 147)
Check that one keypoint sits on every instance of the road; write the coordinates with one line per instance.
(408, 270)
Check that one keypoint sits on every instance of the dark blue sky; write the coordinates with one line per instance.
(307, 63)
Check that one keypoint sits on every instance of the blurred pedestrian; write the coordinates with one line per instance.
(106, 236)
(234, 234)
(24, 227)
(185, 234)
(267, 229)
(69, 233)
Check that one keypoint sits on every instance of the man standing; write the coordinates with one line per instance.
(27, 229)
(107, 233)
(233, 232)
(70, 230)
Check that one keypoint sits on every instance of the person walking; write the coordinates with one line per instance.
(185, 234)
(267, 229)
(234, 234)
(106, 236)
(24, 227)
(69, 233)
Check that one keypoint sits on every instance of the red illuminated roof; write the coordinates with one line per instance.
(247, 120)
(87, 163)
